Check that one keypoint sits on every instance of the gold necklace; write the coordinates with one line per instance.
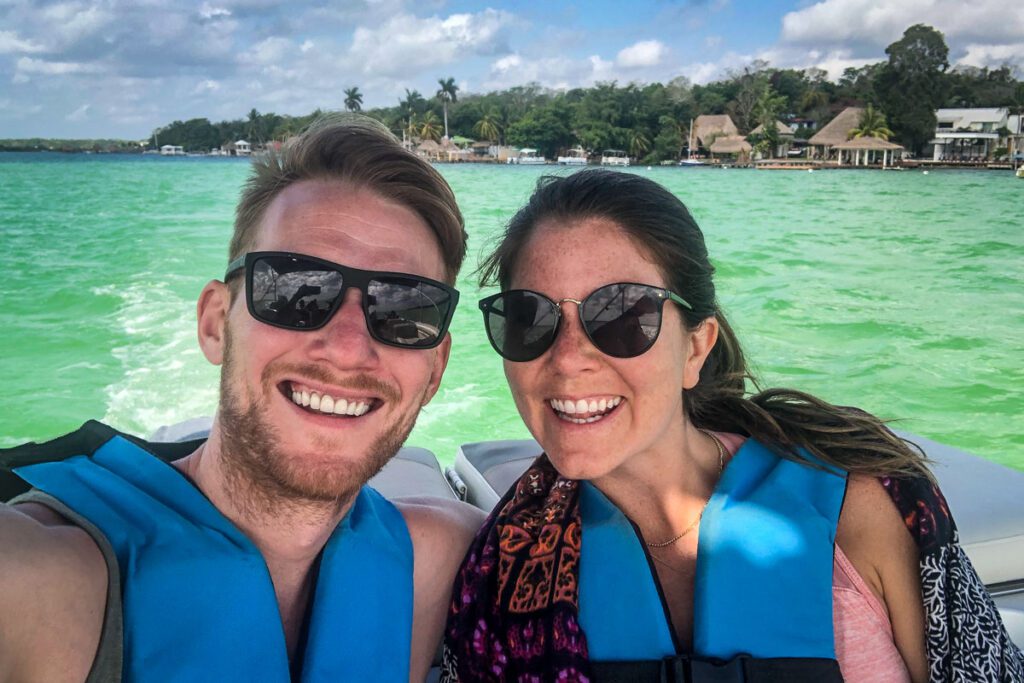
(696, 521)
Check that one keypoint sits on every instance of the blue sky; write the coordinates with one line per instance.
(86, 68)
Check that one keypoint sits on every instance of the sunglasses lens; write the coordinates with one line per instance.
(623, 320)
(293, 292)
(407, 312)
(521, 324)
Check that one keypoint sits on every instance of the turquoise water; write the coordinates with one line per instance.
(901, 293)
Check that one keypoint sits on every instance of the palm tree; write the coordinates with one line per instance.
(429, 128)
(413, 103)
(446, 93)
(255, 126)
(639, 144)
(353, 99)
(488, 128)
(872, 125)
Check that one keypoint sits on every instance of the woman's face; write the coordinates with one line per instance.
(639, 405)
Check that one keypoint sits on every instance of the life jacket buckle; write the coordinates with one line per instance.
(686, 669)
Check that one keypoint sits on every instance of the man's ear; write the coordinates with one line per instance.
(441, 354)
(211, 317)
(701, 341)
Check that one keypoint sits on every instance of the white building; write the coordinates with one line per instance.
(172, 151)
(969, 134)
(242, 148)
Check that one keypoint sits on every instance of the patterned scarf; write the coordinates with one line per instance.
(515, 614)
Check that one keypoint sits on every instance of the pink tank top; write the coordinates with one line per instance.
(863, 633)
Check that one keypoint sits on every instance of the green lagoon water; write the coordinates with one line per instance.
(902, 293)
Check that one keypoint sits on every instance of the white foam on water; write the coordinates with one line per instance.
(165, 378)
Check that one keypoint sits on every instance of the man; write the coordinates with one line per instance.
(260, 555)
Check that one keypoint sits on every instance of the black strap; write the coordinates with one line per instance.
(85, 440)
(742, 669)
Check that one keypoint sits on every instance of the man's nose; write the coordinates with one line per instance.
(345, 340)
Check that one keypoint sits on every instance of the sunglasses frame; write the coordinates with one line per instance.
(487, 306)
(350, 277)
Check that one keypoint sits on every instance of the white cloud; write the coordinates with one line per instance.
(30, 65)
(875, 23)
(852, 32)
(406, 43)
(11, 42)
(79, 114)
(206, 87)
(645, 53)
(993, 55)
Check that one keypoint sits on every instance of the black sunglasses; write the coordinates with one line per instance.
(299, 292)
(622, 319)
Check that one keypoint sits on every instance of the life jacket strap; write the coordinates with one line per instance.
(742, 669)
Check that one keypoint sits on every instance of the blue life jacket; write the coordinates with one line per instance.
(198, 601)
(763, 585)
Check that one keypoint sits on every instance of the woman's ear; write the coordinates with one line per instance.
(211, 316)
(701, 341)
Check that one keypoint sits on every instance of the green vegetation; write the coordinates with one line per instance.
(652, 120)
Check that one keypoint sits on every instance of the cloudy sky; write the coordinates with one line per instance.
(121, 68)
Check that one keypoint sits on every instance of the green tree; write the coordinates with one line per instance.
(913, 84)
(639, 143)
(353, 99)
(872, 125)
(430, 127)
(487, 128)
(447, 93)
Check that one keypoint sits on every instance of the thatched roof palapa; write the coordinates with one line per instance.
(429, 146)
(730, 144)
(869, 143)
(838, 129)
(708, 126)
(779, 126)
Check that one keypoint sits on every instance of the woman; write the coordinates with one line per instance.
(631, 379)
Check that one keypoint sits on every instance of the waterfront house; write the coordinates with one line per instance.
(429, 150)
(969, 134)
(172, 151)
(785, 138)
(835, 132)
(708, 127)
(733, 147)
(241, 148)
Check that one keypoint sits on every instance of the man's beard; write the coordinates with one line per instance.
(262, 477)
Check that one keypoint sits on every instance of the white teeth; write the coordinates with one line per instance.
(595, 408)
(324, 403)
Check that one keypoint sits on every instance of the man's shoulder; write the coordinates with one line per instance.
(53, 588)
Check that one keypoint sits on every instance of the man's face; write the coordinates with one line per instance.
(294, 450)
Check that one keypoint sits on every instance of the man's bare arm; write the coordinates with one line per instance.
(441, 531)
(53, 587)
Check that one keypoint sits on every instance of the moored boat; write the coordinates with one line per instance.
(614, 157)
